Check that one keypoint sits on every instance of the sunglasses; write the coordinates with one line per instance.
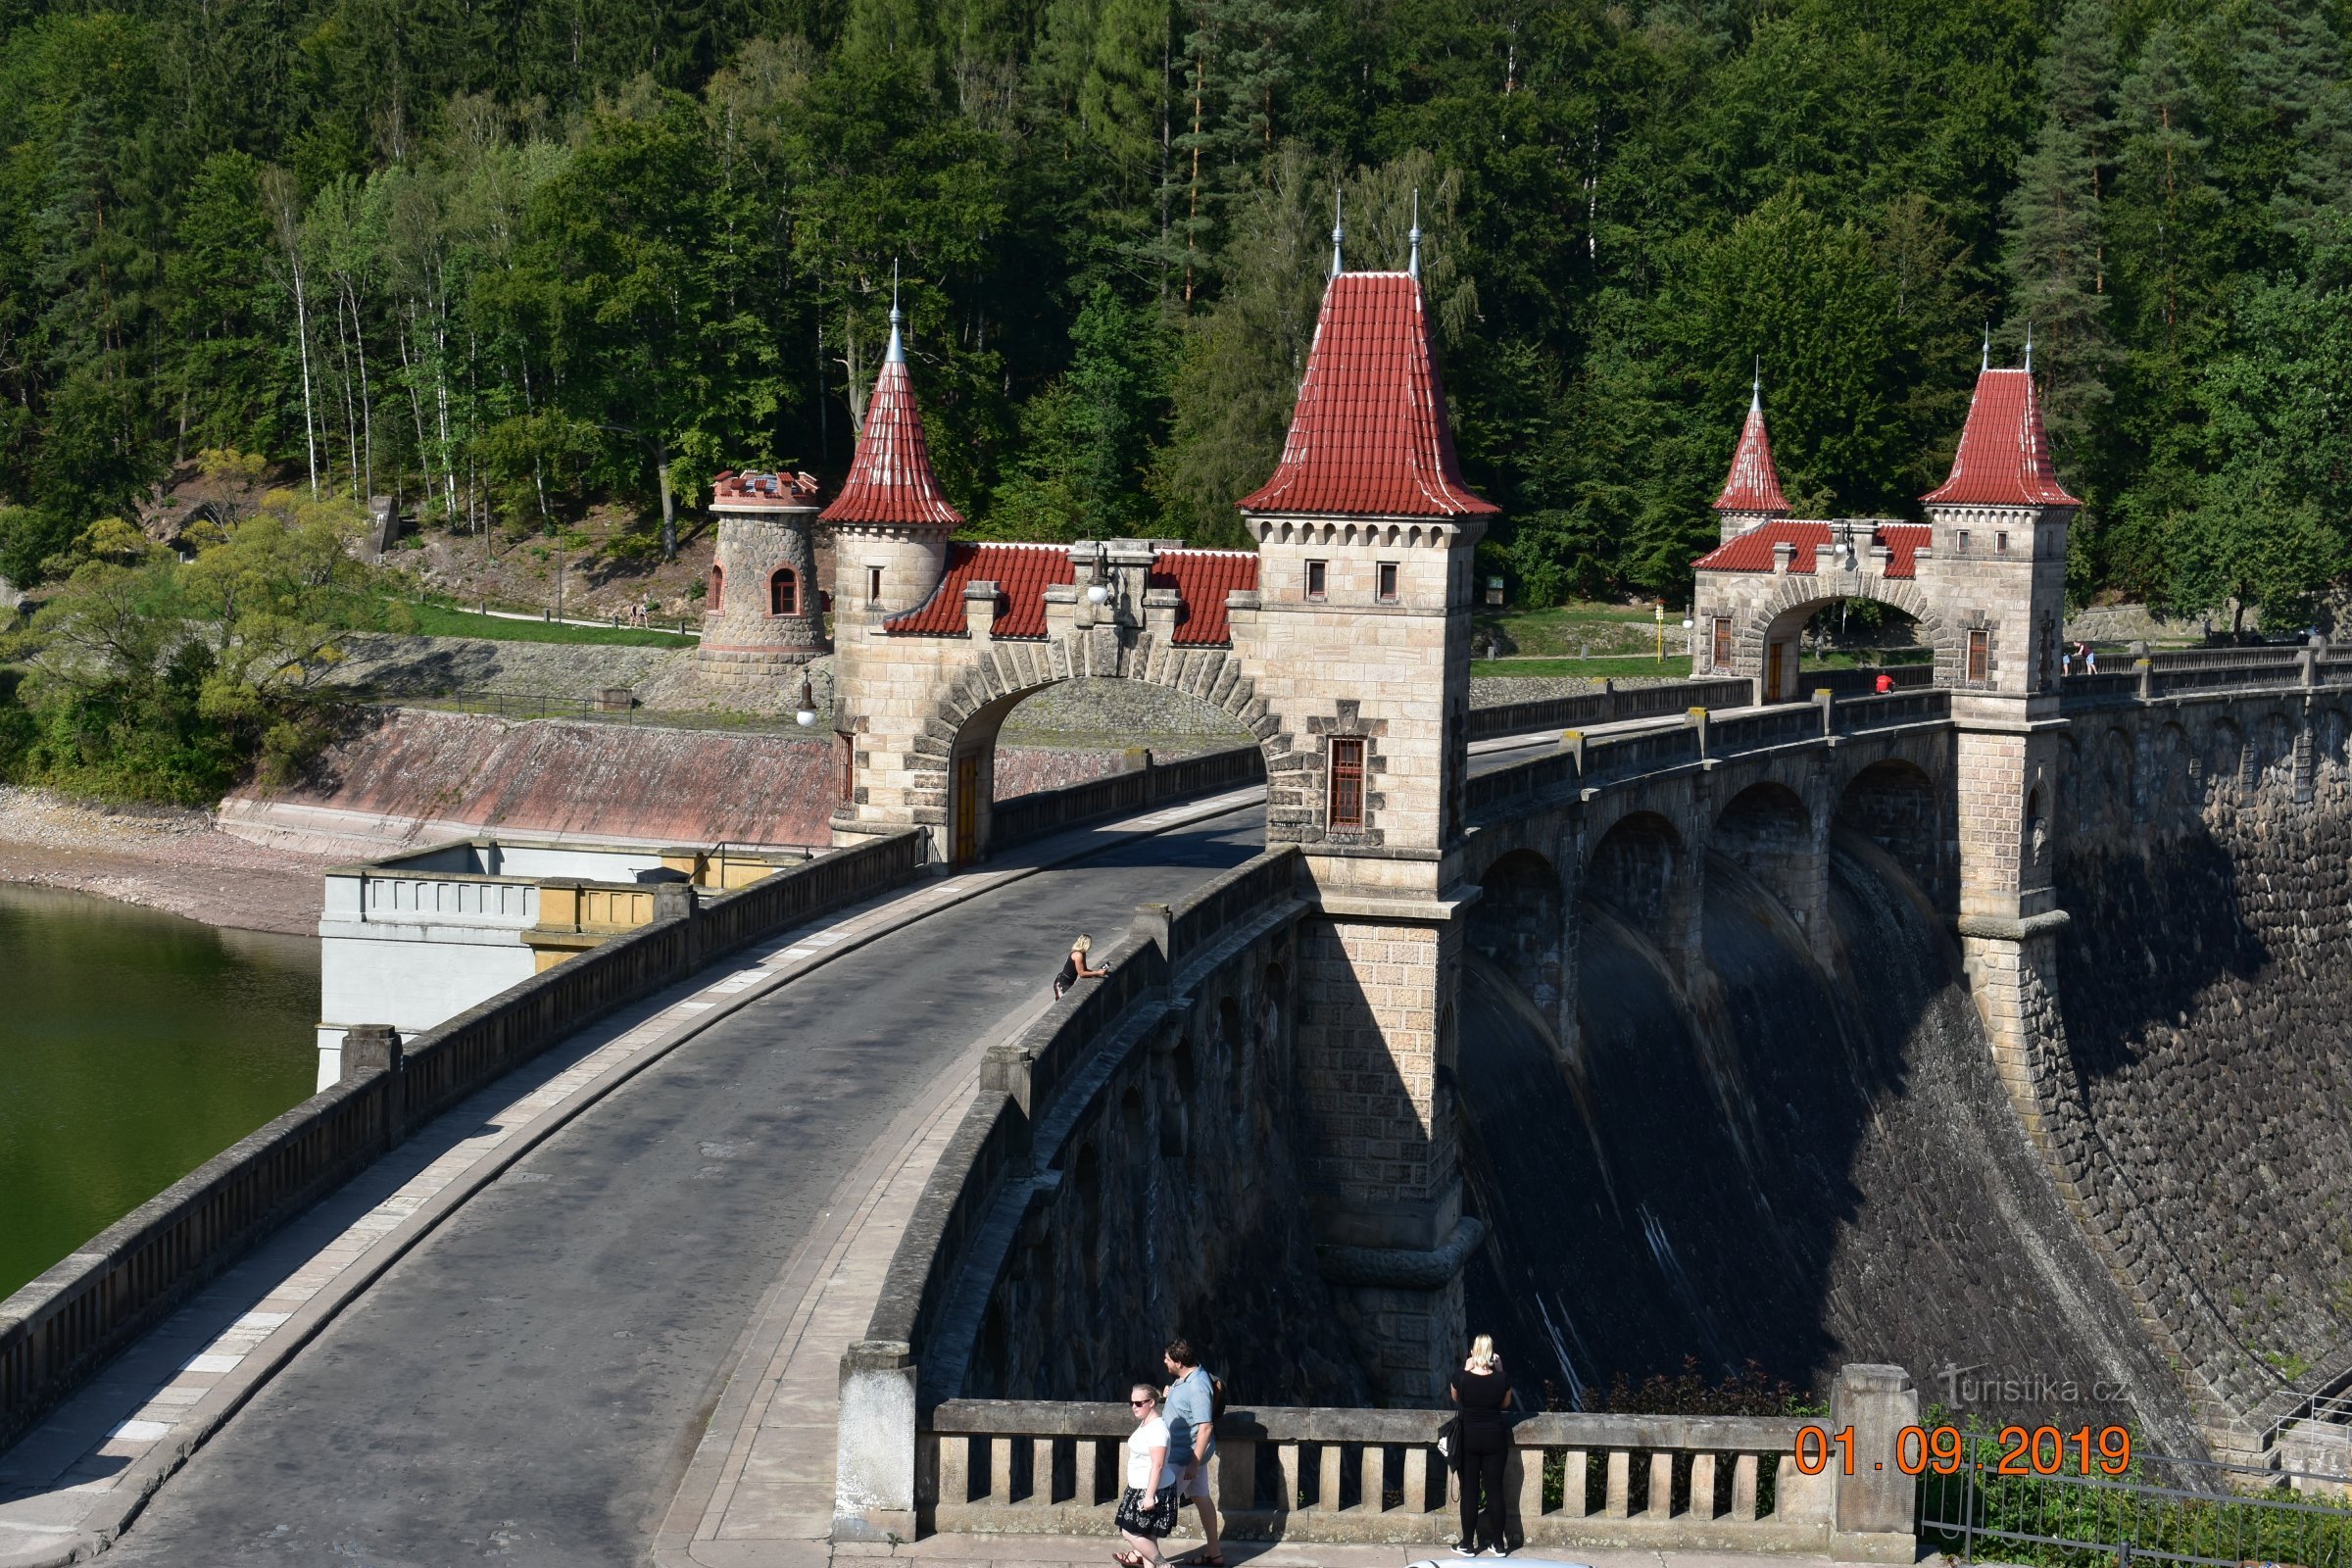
(1138, 1403)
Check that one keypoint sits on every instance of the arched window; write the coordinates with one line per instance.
(719, 589)
(784, 593)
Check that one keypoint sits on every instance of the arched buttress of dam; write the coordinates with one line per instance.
(1779, 1152)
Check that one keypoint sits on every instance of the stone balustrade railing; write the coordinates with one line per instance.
(1583, 761)
(2206, 669)
(63, 1326)
(1577, 1480)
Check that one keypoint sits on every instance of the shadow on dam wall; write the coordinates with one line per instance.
(1793, 1156)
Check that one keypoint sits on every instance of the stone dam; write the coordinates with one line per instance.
(1724, 1106)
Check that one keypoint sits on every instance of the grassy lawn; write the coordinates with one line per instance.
(1566, 630)
(438, 621)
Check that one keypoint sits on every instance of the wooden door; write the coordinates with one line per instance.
(967, 807)
(1772, 673)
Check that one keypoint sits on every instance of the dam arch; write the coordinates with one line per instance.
(1641, 871)
(1768, 831)
(1896, 806)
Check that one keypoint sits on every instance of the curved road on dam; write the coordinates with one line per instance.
(529, 1383)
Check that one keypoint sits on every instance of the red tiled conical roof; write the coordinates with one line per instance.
(2004, 456)
(1370, 435)
(1753, 484)
(891, 479)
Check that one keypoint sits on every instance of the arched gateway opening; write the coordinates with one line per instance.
(1014, 753)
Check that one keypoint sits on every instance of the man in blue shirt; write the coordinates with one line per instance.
(1191, 1414)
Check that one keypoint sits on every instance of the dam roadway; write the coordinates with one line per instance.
(531, 1382)
(530, 1379)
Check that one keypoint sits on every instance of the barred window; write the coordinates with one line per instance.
(1347, 781)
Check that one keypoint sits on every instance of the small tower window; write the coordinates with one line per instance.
(719, 589)
(1347, 782)
(849, 764)
(1963, 541)
(784, 593)
(1318, 579)
(2000, 543)
(1722, 658)
(874, 585)
(1980, 656)
(1388, 582)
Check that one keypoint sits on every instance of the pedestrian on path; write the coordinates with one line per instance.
(1147, 1507)
(1073, 967)
(1483, 1393)
(1193, 1443)
(1883, 685)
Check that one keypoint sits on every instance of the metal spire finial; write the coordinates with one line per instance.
(2029, 348)
(896, 354)
(1985, 364)
(1755, 398)
(1339, 233)
(1413, 266)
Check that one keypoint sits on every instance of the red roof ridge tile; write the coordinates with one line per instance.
(1370, 435)
(890, 479)
(2004, 454)
(1754, 482)
(1752, 550)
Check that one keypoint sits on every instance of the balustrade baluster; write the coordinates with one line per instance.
(1000, 1471)
(1530, 1462)
(1621, 1470)
(1661, 1485)
(1041, 1470)
(955, 1468)
(1237, 1474)
(1416, 1479)
(1573, 1504)
(1703, 1486)
(1327, 1483)
(1744, 1488)
(1286, 1457)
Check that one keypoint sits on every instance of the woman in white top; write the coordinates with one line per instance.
(1147, 1509)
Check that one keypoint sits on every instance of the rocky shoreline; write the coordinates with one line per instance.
(160, 858)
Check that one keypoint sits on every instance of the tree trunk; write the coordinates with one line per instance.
(669, 510)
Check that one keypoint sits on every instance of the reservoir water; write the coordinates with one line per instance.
(133, 1046)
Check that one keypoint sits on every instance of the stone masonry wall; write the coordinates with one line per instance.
(2200, 1105)
(1179, 1209)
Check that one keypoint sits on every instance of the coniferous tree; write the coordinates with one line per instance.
(2053, 246)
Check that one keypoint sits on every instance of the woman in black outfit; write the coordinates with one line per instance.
(1484, 1393)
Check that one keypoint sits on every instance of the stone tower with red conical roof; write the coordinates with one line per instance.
(1997, 573)
(1751, 489)
(891, 525)
(1361, 627)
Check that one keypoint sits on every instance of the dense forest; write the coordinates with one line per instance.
(502, 258)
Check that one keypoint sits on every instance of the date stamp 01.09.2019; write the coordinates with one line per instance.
(1947, 1450)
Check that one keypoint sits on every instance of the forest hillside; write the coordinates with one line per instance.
(506, 259)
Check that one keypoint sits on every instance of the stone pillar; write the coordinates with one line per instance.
(1375, 1062)
(370, 1049)
(1876, 1517)
(874, 1464)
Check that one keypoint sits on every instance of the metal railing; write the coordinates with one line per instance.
(2172, 1510)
